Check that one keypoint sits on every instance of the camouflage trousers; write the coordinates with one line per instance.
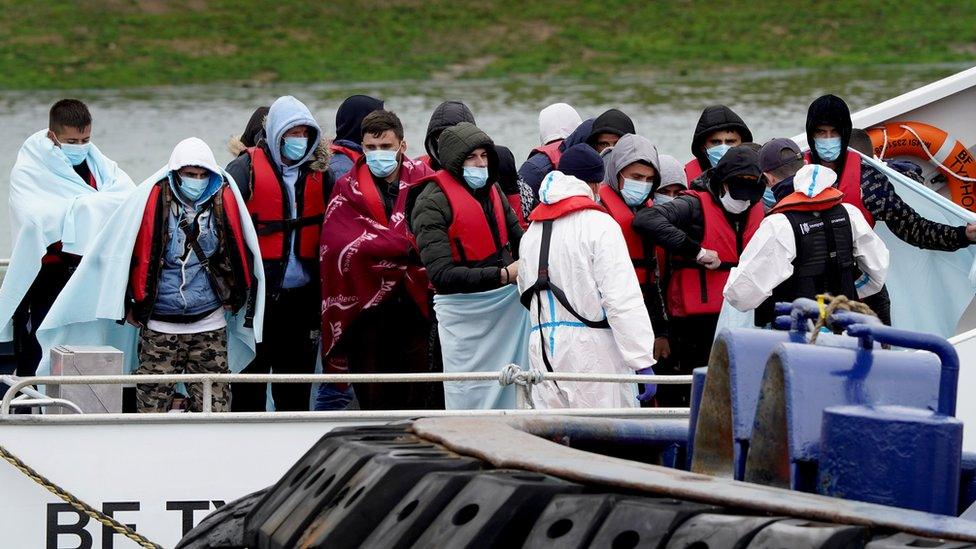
(200, 353)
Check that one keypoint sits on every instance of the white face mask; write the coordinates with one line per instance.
(734, 206)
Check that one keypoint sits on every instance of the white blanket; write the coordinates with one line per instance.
(50, 203)
(89, 308)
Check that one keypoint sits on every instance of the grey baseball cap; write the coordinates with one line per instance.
(771, 154)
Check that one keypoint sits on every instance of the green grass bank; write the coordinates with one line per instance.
(125, 43)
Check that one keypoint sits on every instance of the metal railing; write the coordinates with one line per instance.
(523, 378)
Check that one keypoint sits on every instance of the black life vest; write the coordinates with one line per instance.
(824, 261)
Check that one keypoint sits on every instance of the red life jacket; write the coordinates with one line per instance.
(692, 170)
(566, 206)
(353, 155)
(471, 238)
(849, 183)
(152, 223)
(622, 214)
(551, 150)
(268, 205)
(515, 201)
(695, 290)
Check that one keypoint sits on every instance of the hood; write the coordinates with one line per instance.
(672, 172)
(558, 186)
(579, 135)
(253, 132)
(829, 109)
(193, 151)
(349, 117)
(507, 174)
(456, 142)
(740, 162)
(447, 114)
(714, 118)
(557, 121)
(631, 148)
(286, 113)
(813, 179)
(613, 121)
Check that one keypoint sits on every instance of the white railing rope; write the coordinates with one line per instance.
(209, 379)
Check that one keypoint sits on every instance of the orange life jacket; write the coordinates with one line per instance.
(269, 209)
(695, 290)
(471, 237)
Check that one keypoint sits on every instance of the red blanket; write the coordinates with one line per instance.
(365, 256)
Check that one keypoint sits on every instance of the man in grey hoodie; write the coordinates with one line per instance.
(286, 183)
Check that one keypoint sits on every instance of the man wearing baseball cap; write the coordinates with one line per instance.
(779, 160)
(810, 243)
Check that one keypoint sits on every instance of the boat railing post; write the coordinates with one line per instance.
(207, 395)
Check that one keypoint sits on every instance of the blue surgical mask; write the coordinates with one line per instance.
(662, 198)
(295, 147)
(716, 153)
(635, 192)
(828, 148)
(76, 153)
(476, 178)
(381, 163)
(769, 199)
(192, 187)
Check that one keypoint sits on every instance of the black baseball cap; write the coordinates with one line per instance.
(771, 154)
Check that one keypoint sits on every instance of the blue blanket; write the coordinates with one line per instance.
(49, 202)
(481, 332)
(87, 311)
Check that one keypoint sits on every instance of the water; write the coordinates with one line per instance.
(138, 128)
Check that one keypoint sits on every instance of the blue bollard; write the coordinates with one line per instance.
(891, 455)
(697, 387)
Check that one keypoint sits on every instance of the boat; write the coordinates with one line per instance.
(162, 474)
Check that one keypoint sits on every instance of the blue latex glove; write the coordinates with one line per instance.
(650, 389)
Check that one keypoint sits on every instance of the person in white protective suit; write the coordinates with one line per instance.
(810, 243)
(587, 311)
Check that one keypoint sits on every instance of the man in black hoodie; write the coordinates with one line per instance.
(828, 130)
(447, 114)
(347, 146)
(718, 130)
(608, 128)
(703, 231)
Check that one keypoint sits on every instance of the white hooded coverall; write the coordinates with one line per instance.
(588, 260)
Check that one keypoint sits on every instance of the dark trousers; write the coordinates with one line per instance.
(289, 346)
(32, 310)
(691, 343)
(880, 303)
(389, 338)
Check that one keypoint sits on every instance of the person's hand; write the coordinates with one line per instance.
(650, 389)
(509, 274)
(130, 318)
(709, 258)
(662, 348)
(971, 232)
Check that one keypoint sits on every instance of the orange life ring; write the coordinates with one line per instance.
(929, 143)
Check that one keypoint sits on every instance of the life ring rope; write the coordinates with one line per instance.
(932, 158)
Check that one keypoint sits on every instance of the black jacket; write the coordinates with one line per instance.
(429, 213)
